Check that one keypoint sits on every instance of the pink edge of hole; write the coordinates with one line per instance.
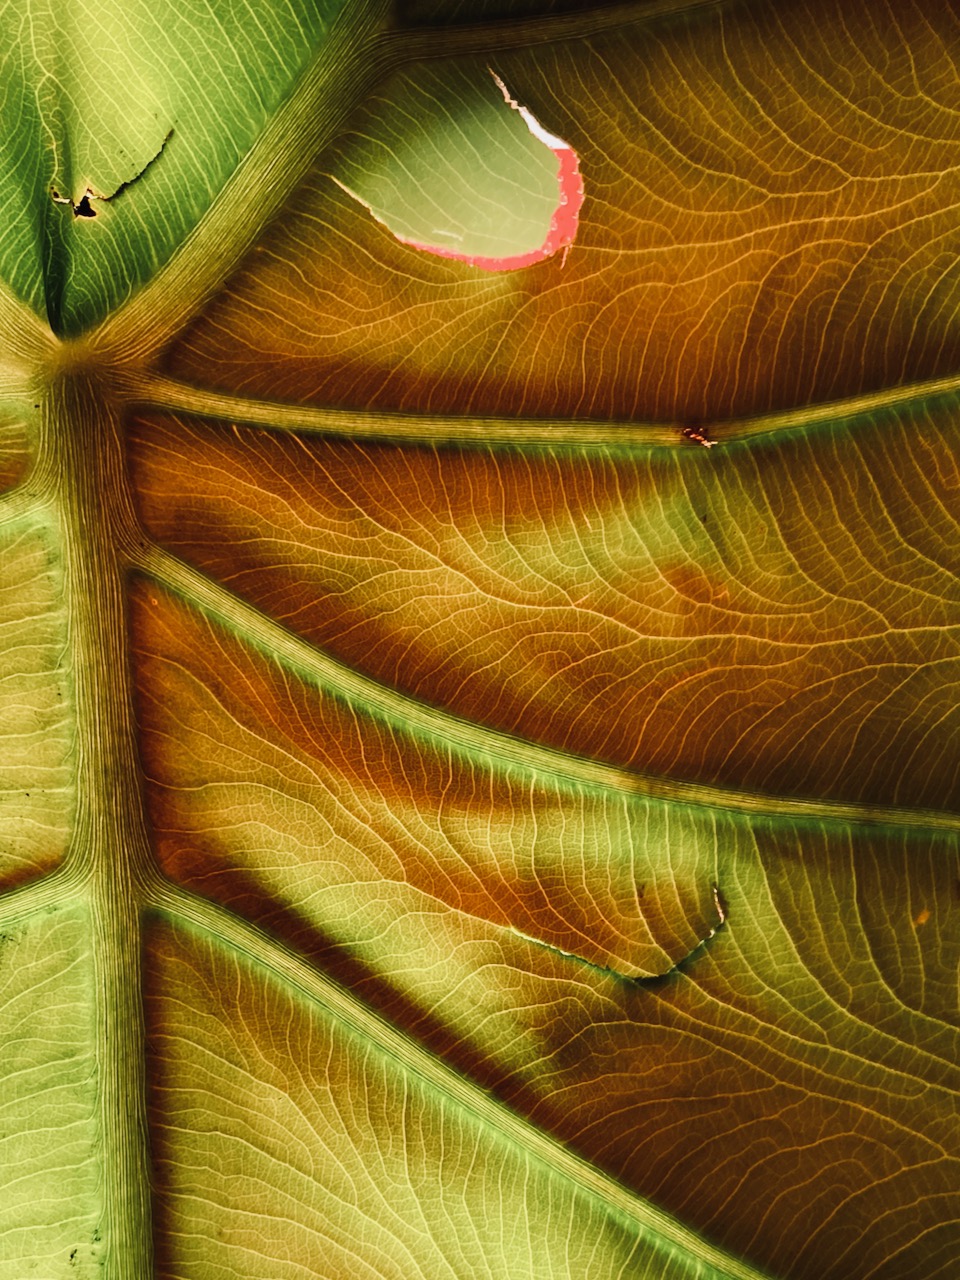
(563, 224)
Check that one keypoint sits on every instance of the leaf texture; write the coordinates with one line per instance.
(385, 1178)
(769, 220)
(49, 1215)
(36, 799)
(779, 617)
(479, 787)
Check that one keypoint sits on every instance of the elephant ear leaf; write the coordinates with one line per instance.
(479, 616)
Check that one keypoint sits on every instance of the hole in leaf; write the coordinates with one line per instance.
(566, 216)
(82, 208)
(450, 171)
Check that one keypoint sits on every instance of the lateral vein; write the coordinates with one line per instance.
(408, 715)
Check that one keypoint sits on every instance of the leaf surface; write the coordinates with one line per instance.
(49, 1144)
(768, 221)
(479, 776)
(94, 94)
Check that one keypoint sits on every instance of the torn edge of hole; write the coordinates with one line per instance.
(566, 217)
(637, 979)
(82, 208)
(529, 119)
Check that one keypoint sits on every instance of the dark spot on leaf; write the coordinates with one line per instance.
(82, 209)
(698, 434)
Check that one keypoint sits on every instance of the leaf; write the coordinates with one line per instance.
(49, 1097)
(452, 822)
(93, 96)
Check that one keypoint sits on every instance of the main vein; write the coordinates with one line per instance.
(109, 854)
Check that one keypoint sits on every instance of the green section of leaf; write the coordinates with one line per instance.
(821, 1015)
(142, 108)
(49, 1159)
(443, 161)
(812, 1043)
(36, 729)
(387, 1178)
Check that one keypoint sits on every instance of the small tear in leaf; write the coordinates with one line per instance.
(721, 911)
(82, 208)
(567, 955)
(641, 980)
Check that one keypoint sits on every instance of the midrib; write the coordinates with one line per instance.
(81, 449)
